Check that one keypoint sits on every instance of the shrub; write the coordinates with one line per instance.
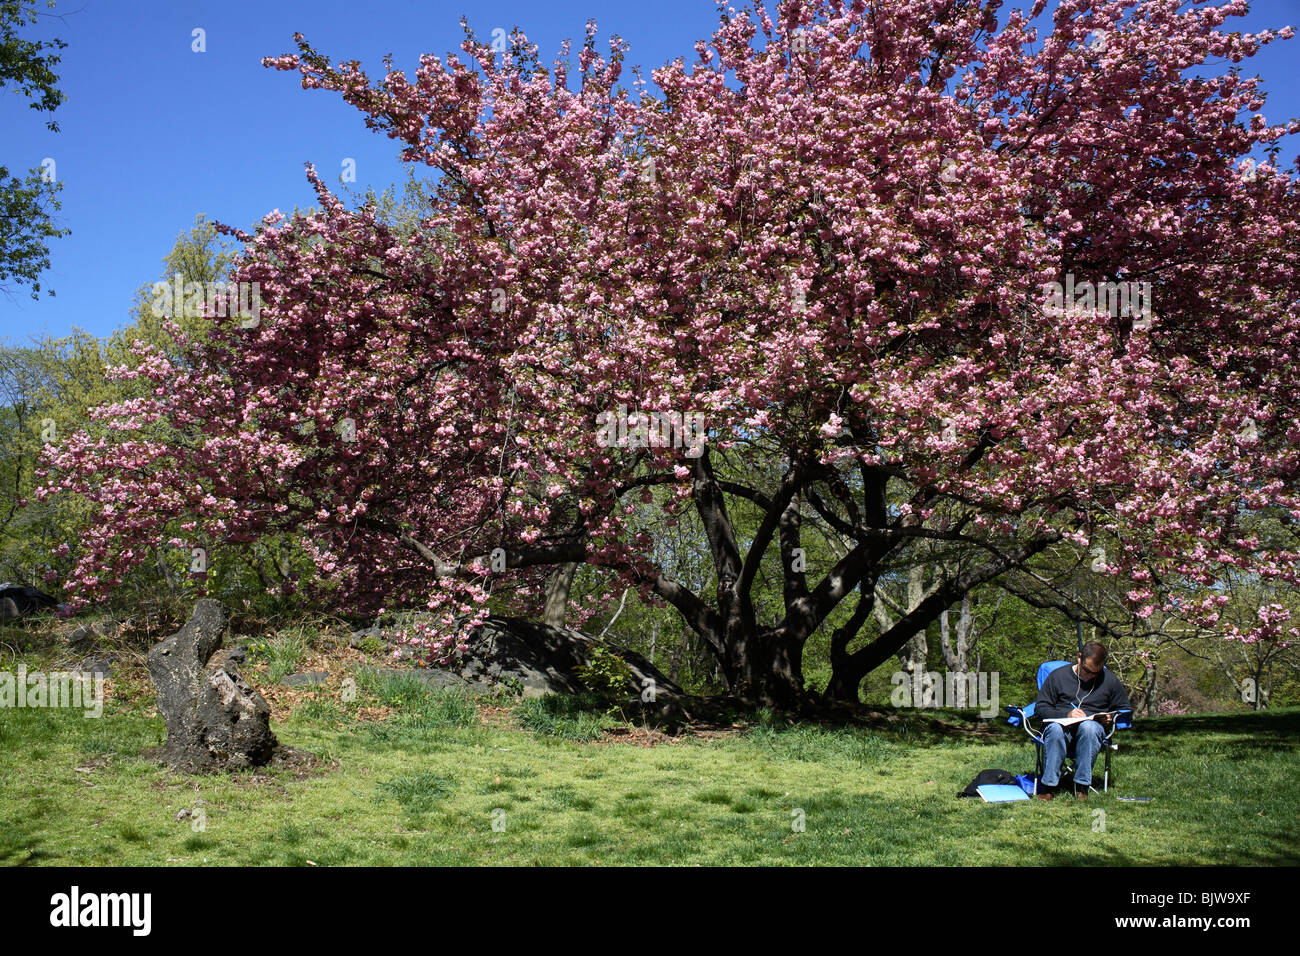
(607, 674)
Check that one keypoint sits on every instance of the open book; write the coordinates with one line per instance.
(1068, 721)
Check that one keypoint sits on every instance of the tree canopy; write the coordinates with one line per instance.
(931, 284)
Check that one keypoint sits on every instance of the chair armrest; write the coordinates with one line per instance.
(1123, 721)
(1020, 717)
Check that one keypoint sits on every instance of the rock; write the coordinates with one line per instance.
(215, 721)
(356, 637)
(237, 655)
(307, 677)
(99, 664)
(82, 635)
(540, 658)
(436, 677)
(17, 601)
(545, 659)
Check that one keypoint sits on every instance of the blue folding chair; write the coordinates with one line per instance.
(1020, 717)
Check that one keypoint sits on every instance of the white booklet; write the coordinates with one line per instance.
(1068, 721)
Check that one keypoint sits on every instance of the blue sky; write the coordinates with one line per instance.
(153, 134)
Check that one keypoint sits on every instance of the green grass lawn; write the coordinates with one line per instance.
(438, 783)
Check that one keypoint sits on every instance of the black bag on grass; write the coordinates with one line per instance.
(986, 776)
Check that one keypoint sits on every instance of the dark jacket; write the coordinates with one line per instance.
(1063, 691)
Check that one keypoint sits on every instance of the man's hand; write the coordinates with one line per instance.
(1104, 718)
(1076, 713)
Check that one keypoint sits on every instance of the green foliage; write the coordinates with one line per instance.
(43, 388)
(370, 645)
(514, 685)
(607, 673)
(282, 652)
(27, 208)
(27, 204)
(200, 255)
(676, 649)
(27, 63)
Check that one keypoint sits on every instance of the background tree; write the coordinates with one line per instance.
(27, 204)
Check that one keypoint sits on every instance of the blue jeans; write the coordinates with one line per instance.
(1088, 737)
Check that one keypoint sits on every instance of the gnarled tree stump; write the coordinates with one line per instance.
(215, 721)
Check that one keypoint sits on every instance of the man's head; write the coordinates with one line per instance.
(1092, 660)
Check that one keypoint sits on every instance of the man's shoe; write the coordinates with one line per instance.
(1045, 795)
(1081, 794)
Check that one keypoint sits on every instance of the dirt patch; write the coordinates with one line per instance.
(712, 732)
(300, 763)
(653, 737)
(338, 661)
(636, 736)
(496, 716)
(295, 763)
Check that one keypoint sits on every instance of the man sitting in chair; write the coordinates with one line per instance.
(1084, 689)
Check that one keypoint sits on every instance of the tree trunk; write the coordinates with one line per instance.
(765, 669)
(912, 660)
(844, 684)
(956, 655)
(763, 663)
(557, 594)
(916, 651)
(675, 667)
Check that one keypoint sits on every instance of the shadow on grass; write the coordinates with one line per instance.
(924, 727)
(1038, 855)
(16, 849)
(1251, 733)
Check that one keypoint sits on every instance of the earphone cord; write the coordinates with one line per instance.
(1078, 686)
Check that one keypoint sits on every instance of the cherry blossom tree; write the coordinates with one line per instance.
(897, 272)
